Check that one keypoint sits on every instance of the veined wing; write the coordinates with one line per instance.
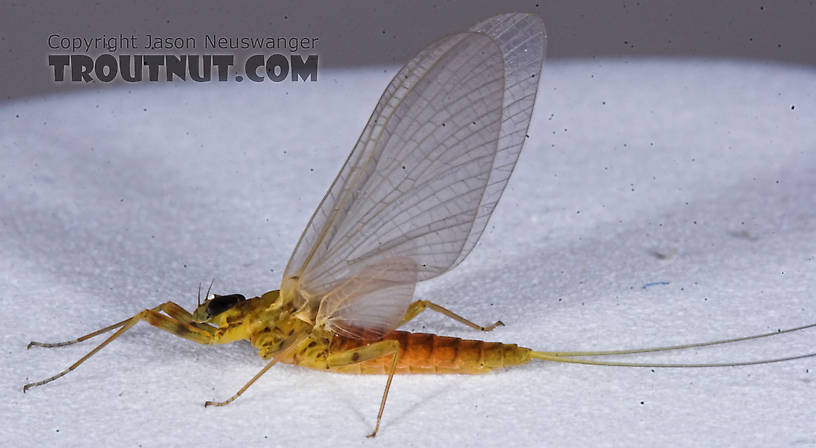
(347, 308)
(426, 173)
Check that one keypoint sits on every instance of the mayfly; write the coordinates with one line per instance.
(408, 205)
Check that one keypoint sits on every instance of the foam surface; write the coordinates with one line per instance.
(697, 173)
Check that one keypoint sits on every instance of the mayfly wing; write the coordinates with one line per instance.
(523, 41)
(418, 188)
(347, 307)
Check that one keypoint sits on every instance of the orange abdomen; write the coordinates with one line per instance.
(430, 353)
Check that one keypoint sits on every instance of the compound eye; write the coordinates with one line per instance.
(219, 304)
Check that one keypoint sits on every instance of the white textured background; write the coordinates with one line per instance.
(114, 200)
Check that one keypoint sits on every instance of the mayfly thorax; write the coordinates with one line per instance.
(408, 205)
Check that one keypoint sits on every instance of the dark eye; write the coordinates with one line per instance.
(219, 304)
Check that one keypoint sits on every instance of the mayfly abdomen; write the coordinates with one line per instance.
(434, 354)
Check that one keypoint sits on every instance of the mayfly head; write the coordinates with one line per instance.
(215, 305)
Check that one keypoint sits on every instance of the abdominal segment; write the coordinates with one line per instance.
(430, 353)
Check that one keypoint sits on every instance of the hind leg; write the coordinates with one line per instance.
(367, 353)
(421, 305)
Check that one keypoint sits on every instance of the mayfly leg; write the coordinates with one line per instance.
(79, 339)
(170, 308)
(177, 321)
(421, 305)
(243, 389)
(366, 353)
(288, 346)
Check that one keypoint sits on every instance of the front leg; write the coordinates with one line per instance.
(177, 321)
(170, 308)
